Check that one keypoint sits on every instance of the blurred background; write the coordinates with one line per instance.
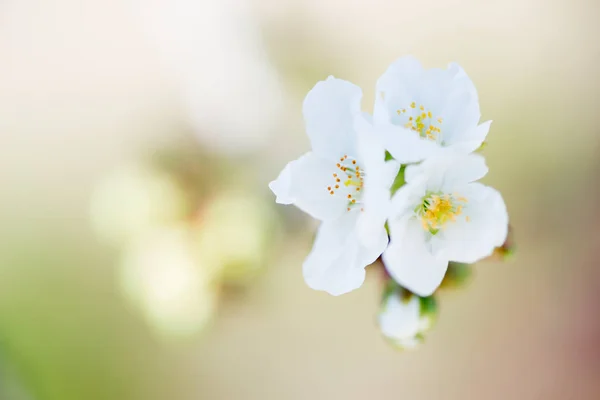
(143, 257)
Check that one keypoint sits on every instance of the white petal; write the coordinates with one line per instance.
(337, 261)
(435, 88)
(304, 183)
(408, 196)
(329, 110)
(376, 191)
(409, 261)
(472, 140)
(461, 106)
(396, 88)
(465, 169)
(448, 170)
(370, 229)
(404, 145)
(486, 228)
(282, 186)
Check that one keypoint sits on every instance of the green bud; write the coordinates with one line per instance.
(456, 276)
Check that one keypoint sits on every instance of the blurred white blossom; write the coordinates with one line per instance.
(161, 275)
(134, 199)
(234, 233)
(217, 59)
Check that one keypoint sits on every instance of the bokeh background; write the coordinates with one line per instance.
(142, 256)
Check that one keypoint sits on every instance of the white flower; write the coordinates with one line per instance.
(404, 318)
(442, 215)
(344, 182)
(419, 112)
(133, 200)
(163, 276)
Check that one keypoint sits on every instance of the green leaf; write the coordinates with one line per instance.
(399, 180)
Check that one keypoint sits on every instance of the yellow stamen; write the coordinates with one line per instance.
(437, 210)
(417, 124)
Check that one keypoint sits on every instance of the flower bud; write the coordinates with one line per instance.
(405, 318)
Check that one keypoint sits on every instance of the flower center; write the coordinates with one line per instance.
(436, 210)
(349, 181)
(421, 121)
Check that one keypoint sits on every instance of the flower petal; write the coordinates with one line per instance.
(409, 261)
(337, 261)
(448, 170)
(408, 196)
(282, 186)
(481, 228)
(303, 182)
(460, 106)
(472, 140)
(329, 110)
(395, 89)
(464, 169)
(380, 175)
(404, 145)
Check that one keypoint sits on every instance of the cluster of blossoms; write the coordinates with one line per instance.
(399, 185)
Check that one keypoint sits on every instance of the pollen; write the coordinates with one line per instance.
(350, 173)
(436, 210)
(423, 121)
